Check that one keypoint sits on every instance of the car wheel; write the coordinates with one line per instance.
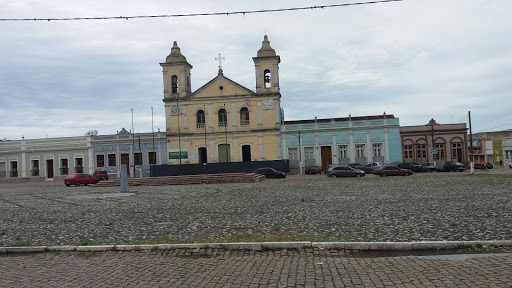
(383, 174)
(95, 182)
(406, 174)
(77, 184)
(67, 185)
(332, 175)
(358, 175)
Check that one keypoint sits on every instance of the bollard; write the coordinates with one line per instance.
(124, 180)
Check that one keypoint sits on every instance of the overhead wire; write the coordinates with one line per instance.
(199, 14)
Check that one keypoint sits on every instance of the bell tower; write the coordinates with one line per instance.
(176, 72)
(267, 68)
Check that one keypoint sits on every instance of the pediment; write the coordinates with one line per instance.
(221, 86)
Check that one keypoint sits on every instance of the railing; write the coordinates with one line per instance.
(343, 161)
(34, 172)
(64, 171)
(378, 159)
(13, 173)
(223, 124)
(3, 174)
(79, 169)
(361, 160)
(244, 122)
(200, 125)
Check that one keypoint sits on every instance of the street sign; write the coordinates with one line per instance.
(434, 151)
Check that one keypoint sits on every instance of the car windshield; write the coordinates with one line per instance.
(70, 176)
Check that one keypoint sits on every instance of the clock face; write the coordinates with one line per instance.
(175, 109)
(268, 104)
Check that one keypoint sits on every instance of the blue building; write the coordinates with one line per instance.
(341, 141)
(137, 151)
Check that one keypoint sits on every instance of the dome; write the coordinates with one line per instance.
(175, 56)
(266, 50)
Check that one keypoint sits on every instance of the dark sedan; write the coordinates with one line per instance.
(270, 172)
(414, 167)
(312, 169)
(392, 170)
(344, 171)
(454, 166)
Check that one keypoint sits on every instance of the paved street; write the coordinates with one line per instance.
(423, 207)
(218, 268)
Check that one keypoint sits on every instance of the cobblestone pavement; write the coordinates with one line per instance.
(422, 207)
(216, 268)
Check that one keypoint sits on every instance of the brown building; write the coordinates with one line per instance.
(435, 142)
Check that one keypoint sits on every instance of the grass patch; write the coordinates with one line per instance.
(19, 244)
(85, 243)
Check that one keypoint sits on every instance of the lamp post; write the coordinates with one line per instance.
(179, 129)
(133, 146)
(226, 130)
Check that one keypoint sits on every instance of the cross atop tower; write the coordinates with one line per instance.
(220, 58)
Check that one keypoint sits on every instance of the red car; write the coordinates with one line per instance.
(101, 174)
(79, 179)
(392, 170)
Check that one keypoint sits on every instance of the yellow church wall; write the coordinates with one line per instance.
(269, 141)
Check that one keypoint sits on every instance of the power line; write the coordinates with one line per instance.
(197, 14)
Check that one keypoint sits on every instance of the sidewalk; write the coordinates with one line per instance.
(310, 267)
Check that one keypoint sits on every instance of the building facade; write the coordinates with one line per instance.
(137, 151)
(506, 144)
(489, 148)
(45, 159)
(222, 121)
(435, 142)
(341, 141)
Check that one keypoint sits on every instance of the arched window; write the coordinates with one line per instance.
(244, 116)
(200, 119)
(223, 117)
(174, 83)
(267, 76)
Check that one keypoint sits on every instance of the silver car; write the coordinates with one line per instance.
(344, 171)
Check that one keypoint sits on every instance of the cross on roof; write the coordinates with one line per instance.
(220, 58)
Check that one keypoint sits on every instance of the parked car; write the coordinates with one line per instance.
(270, 173)
(345, 171)
(101, 174)
(454, 166)
(392, 170)
(433, 166)
(414, 167)
(372, 166)
(313, 169)
(355, 165)
(79, 179)
(329, 167)
(482, 166)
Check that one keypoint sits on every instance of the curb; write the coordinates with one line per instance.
(259, 246)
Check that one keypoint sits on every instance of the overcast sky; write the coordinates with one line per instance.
(416, 59)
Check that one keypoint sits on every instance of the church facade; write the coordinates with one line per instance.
(222, 121)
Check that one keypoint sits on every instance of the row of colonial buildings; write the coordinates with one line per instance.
(223, 121)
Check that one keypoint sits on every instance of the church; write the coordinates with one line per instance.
(222, 121)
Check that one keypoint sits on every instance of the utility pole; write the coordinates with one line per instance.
(300, 156)
(433, 157)
(153, 134)
(140, 153)
(133, 146)
(471, 156)
(179, 129)
(226, 129)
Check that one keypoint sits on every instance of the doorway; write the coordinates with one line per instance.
(203, 156)
(246, 153)
(125, 159)
(224, 153)
(326, 156)
(49, 168)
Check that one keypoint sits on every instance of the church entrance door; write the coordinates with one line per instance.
(246, 153)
